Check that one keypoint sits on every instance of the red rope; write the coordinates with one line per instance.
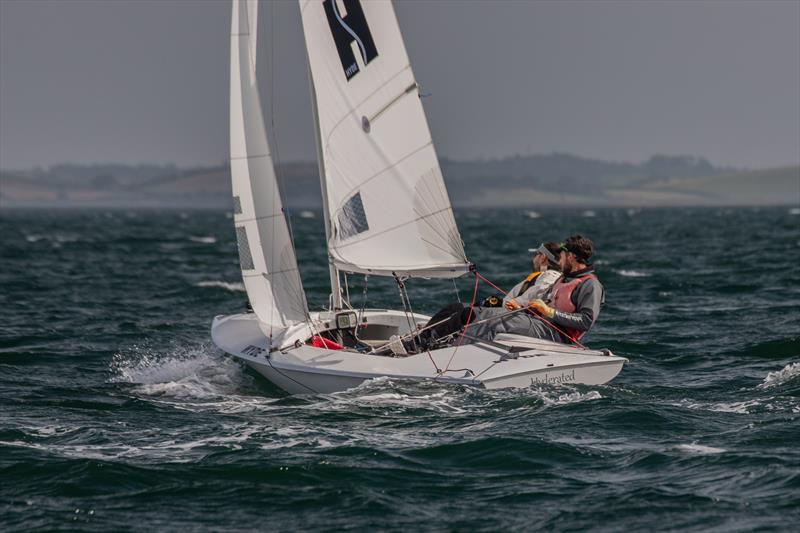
(469, 319)
(471, 308)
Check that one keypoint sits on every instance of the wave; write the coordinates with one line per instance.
(56, 238)
(203, 240)
(632, 274)
(236, 286)
(742, 408)
(698, 449)
(786, 374)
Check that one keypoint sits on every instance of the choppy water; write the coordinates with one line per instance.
(117, 413)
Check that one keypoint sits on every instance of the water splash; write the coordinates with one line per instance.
(787, 373)
(194, 372)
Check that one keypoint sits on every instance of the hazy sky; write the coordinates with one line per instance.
(146, 81)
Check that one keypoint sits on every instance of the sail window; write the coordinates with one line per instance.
(237, 205)
(245, 256)
(352, 218)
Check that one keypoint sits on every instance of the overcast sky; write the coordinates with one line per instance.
(146, 81)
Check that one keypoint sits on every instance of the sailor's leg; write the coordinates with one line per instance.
(488, 322)
(446, 321)
(529, 325)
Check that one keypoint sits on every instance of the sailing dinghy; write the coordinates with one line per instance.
(386, 211)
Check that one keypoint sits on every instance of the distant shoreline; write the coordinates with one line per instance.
(532, 182)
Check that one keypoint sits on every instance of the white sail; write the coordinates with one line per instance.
(388, 206)
(266, 254)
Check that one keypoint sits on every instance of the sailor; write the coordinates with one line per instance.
(536, 286)
(573, 309)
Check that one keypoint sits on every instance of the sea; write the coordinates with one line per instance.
(117, 412)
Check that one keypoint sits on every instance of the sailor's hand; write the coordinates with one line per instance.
(542, 308)
(513, 305)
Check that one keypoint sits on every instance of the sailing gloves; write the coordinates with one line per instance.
(542, 308)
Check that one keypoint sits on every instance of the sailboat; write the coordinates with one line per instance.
(386, 213)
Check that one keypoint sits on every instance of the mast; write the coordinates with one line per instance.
(336, 289)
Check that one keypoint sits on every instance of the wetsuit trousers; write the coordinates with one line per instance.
(487, 322)
(494, 320)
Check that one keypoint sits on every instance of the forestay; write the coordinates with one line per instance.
(266, 254)
(388, 206)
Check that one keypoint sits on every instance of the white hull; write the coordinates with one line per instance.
(300, 368)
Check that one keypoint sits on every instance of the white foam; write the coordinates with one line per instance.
(550, 398)
(698, 449)
(307, 214)
(57, 239)
(733, 407)
(787, 373)
(588, 213)
(192, 372)
(632, 274)
(532, 214)
(235, 286)
(203, 240)
(794, 211)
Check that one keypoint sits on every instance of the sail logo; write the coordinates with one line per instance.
(350, 32)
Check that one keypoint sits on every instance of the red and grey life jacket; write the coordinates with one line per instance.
(562, 300)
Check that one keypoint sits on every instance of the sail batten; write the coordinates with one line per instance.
(267, 258)
(386, 203)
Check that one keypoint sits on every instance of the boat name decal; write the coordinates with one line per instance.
(549, 379)
(347, 29)
(253, 351)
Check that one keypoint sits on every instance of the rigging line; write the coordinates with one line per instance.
(466, 326)
(360, 315)
(347, 292)
(455, 287)
(403, 296)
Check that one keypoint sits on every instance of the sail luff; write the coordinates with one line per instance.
(336, 290)
(267, 259)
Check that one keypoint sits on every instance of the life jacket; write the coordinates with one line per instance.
(562, 300)
(530, 280)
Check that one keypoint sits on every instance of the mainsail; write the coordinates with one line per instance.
(388, 208)
(266, 254)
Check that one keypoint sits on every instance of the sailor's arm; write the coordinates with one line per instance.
(512, 292)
